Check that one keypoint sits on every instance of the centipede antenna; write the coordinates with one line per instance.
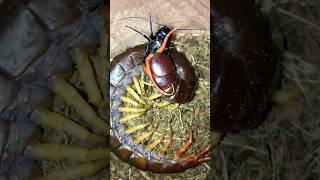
(151, 35)
(139, 32)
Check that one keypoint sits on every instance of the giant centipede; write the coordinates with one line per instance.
(245, 71)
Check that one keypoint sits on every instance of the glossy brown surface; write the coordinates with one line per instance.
(187, 84)
(161, 64)
(245, 66)
(175, 69)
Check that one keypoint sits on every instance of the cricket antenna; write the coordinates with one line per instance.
(150, 21)
(139, 32)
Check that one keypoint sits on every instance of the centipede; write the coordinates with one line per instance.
(244, 74)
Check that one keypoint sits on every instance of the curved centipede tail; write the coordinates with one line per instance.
(172, 166)
(190, 163)
(143, 163)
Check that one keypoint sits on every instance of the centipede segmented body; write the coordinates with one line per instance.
(245, 71)
(124, 68)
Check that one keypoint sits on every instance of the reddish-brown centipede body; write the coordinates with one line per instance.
(124, 68)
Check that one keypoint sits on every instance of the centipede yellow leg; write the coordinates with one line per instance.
(135, 95)
(148, 83)
(74, 99)
(162, 104)
(131, 110)
(145, 135)
(61, 123)
(129, 101)
(130, 117)
(100, 66)
(137, 85)
(136, 128)
(154, 96)
(65, 152)
(87, 76)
